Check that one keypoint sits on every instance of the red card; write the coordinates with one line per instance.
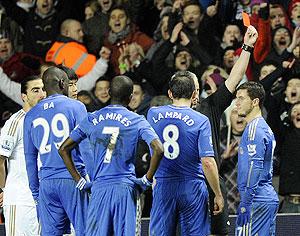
(246, 19)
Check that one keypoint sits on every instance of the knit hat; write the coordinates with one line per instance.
(180, 48)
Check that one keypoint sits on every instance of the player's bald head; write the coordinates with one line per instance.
(121, 88)
(54, 79)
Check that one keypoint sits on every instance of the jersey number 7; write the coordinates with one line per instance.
(114, 131)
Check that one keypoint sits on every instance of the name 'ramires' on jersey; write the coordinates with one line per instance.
(112, 116)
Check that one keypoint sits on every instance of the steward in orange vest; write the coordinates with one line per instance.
(72, 54)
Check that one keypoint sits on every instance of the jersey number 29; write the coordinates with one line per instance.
(58, 132)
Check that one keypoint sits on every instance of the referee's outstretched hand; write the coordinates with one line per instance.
(250, 36)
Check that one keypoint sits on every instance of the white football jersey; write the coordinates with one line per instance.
(16, 191)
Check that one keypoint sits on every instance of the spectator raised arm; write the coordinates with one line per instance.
(88, 81)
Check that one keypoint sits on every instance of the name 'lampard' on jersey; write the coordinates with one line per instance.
(173, 115)
(112, 116)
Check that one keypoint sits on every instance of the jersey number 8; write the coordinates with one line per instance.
(171, 147)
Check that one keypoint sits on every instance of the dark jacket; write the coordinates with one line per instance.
(20, 65)
(95, 29)
(39, 32)
(162, 73)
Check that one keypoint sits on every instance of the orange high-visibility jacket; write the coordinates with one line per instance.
(73, 55)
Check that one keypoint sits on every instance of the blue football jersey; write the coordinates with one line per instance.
(255, 162)
(113, 133)
(186, 137)
(46, 126)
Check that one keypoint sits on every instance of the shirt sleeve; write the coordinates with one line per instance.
(205, 145)
(80, 113)
(31, 157)
(10, 88)
(221, 99)
(146, 132)
(88, 81)
(80, 131)
(8, 140)
(256, 151)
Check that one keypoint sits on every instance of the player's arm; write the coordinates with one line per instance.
(2, 171)
(147, 133)
(255, 152)
(8, 142)
(31, 156)
(246, 196)
(157, 155)
(65, 152)
(210, 170)
(255, 168)
(209, 165)
(239, 68)
(76, 136)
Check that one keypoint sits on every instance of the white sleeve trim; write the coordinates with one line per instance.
(7, 142)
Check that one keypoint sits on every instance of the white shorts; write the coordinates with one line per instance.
(20, 220)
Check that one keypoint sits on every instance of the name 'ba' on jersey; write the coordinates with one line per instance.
(46, 126)
(113, 134)
(181, 129)
(257, 148)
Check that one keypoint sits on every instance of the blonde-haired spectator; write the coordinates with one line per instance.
(91, 7)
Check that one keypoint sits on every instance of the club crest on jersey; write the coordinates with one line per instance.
(251, 149)
(7, 145)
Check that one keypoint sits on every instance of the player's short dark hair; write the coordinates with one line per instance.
(254, 90)
(24, 83)
(182, 85)
(121, 88)
(69, 71)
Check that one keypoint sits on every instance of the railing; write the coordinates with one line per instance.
(286, 224)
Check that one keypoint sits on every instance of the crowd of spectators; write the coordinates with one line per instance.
(149, 40)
